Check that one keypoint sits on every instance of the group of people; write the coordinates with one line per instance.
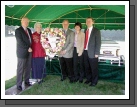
(30, 54)
(78, 58)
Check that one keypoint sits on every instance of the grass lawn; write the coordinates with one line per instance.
(9, 83)
(53, 86)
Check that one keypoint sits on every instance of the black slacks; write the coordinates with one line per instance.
(91, 68)
(78, 65)
(66, 67)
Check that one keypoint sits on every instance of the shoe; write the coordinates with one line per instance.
(40, 82)
(92, 84)
(76, 80)
(71, 81)
(28, 84)
(86, 82)
(62, 79)
(19, 87)
(80, 81)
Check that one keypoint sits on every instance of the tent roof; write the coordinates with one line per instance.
(105, 16)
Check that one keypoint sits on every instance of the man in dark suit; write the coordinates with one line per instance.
(23, 38)
(91, 51)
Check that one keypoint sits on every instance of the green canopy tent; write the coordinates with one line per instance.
(105, 16)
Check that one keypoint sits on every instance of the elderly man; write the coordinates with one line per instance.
(65, 57)
(23, 38)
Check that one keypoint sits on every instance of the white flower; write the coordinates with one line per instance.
(45, 37)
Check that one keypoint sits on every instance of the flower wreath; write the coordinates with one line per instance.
(52, 39)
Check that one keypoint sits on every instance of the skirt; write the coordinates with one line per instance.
(38, 68)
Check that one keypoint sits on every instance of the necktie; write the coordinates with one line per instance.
(26, 31)
(28, 35)
(86, 40)
(64, 32)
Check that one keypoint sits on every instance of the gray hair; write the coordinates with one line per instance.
(37, 24)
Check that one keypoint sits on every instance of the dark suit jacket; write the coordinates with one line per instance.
(23, 42)
(94, 43)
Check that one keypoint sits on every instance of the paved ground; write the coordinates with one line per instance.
(14, 91)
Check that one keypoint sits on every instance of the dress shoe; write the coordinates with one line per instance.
(28, 84)
(92, 85)
(19, 87)
(40, 82)
(80, 81)
(86, 82)
(62, 79)
(71, 81)
(76, 80)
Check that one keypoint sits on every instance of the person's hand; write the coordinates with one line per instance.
(29, 50)
(63, 52)
(96, 56)
(60, 52)
(79, 54)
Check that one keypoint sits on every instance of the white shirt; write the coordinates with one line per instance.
(75, 41)
(65, 31)
(90, 30)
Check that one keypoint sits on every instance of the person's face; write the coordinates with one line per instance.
(38, 28)
(77, 28)
(65, 25)
(25, 22)
(89, 22)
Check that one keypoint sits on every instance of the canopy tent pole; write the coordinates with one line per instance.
(76, 16)
(90, 10)
(17, 11)
(105, 20)
(43, 10)
(101, 15)
(69, 13)
(69, 18)
(99, 23)
(29, 10)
